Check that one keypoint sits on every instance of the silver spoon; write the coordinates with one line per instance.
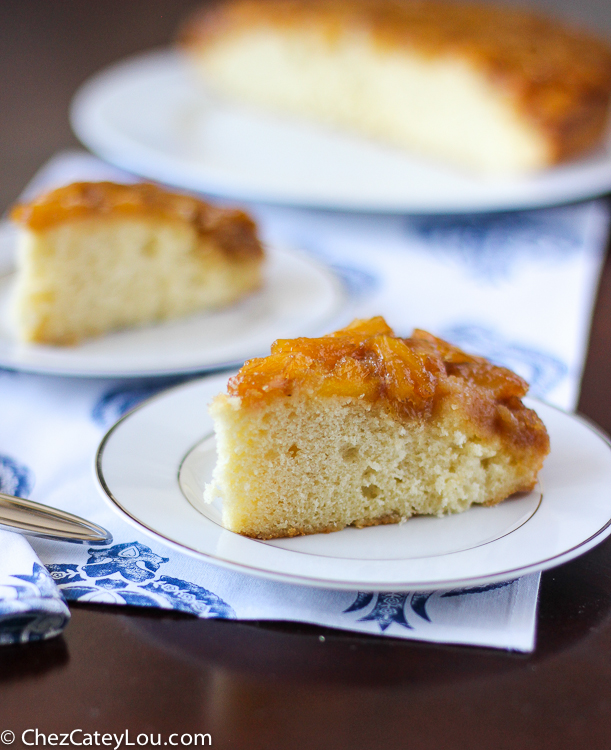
(28, 517)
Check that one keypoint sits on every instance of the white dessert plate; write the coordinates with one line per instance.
(151, 116)
(153, 464)
(299, 297)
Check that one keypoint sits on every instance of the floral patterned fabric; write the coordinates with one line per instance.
(517, 288)
(31, 606)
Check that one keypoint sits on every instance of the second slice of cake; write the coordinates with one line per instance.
(362, 427)
(94, 257)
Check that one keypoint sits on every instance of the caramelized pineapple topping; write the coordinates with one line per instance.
(233, 230)
(366, 360)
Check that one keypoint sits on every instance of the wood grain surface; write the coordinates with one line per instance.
(276, 686)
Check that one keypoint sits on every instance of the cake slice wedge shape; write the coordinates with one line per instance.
(95, 257)
(362, 427)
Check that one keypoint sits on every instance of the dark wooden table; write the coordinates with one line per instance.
(280, 686)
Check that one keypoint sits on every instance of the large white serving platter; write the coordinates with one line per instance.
(153, 464)
(299, 297)
(151, 116)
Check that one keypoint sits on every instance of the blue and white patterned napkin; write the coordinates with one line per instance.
(31, 606)
(517, 288)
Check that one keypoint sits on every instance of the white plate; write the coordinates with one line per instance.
(299, 297)
(150, 116)
(153, 464)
